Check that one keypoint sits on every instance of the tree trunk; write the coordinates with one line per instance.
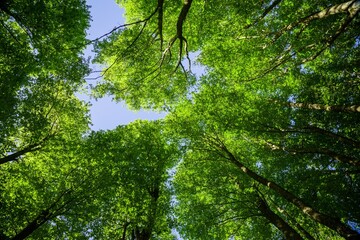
(316, 106)
(305, 233)
(30, 148)
(351, 7)
(330, 153)
(32, 226)
(124, 230)
(142, 234)
(333, 223)
(284, 227)
(341, 158)
(266, 12)
(313, 130)
(333, 135)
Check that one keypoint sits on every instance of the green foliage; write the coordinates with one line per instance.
(264, 145)
(93, 186)
(41, 69)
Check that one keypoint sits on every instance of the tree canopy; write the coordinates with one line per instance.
(262, 143)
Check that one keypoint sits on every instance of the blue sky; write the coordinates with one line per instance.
(105, 113)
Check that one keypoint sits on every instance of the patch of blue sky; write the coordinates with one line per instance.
(105, 113)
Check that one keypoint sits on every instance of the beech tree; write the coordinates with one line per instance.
(41, 69)
(263, 143)
(107, 185)
(242, 41)
(210, 139)
(277, 99)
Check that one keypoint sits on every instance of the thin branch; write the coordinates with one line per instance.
(160, 21)
(264, 14)
(128, 47)
(11, 33)
(331, 40)
(123, 26)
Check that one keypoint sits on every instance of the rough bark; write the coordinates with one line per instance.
(351, 7)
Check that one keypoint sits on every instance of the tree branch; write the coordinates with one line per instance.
(263, 15)
(31, 148)
(123, 26)
(179, 35)
(350, 7)
(160, 21)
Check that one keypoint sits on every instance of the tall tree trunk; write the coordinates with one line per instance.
(284, 227)
(32, 226)
(333, 135)
(341, 158)
(305, 233)
(351, 7)
(266, 12)
(145, 232)
(44, 216)
(331, 222)
(315, 130)
(124, 230)
(330, 153)
(142, 234)
(317, 106)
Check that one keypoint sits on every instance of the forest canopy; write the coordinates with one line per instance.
(262, 143)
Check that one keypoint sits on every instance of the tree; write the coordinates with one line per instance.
(46, 113)
(138, 157)
(214, 120)
(268, 39)
(108, 184)
(214, 201)
(41, 66)
(265, 144)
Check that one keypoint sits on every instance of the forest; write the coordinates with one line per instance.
(263, 143)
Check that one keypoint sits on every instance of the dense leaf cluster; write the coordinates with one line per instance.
(262, 143)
